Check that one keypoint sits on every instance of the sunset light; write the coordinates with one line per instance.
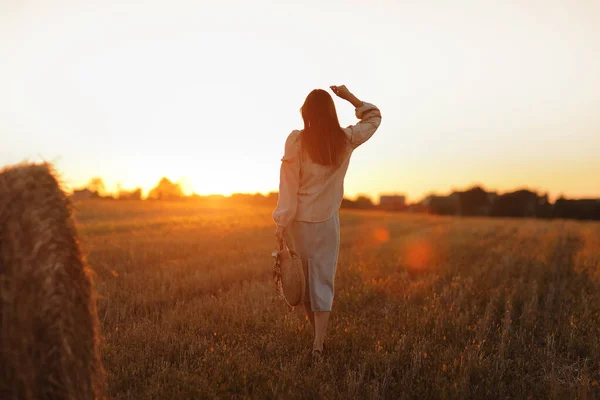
(206, 92)
(284, 199)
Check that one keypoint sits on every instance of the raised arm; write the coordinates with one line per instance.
(368, 114)
(289, 182)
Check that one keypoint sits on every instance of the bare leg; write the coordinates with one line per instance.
(321, 320)
(311, 316)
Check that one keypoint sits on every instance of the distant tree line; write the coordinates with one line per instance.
(95, 189)
(165, 189)
(518, 204)
(475, 201)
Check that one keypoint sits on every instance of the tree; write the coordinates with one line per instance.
(364, 202)
(166, 190)
(96, 185)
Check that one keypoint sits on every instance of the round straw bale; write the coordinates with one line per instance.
(49, 330)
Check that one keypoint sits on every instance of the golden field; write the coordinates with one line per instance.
(425, 307)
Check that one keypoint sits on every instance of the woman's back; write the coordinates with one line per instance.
(313, 192)
(321, 187)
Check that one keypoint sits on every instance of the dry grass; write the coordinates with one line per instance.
(48, 319)
(426, 307)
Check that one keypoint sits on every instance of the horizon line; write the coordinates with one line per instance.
(373, 197)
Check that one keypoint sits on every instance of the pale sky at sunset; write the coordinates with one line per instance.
(205, 92)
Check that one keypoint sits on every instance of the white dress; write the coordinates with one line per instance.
(318, 245)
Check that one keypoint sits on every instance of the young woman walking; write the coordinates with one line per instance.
(311, 189)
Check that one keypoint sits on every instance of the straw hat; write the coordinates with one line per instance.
(288, 274)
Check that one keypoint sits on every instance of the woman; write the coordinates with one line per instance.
(310, 194)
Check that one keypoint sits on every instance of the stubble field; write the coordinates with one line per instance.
(425, 307)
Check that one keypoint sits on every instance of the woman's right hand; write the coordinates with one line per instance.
(342, 92)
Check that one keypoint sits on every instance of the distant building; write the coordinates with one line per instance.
(392, 202)
(84, 194)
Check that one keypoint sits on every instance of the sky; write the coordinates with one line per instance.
(505, 94)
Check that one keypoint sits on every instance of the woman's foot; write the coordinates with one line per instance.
(317, 356)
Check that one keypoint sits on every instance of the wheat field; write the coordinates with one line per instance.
(425, 307)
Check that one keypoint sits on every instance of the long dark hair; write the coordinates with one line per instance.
(323, 137)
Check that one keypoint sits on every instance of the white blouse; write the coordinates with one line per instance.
(312, 192)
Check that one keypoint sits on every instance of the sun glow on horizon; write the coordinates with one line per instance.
(205, 93)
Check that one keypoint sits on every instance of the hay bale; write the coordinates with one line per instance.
(48, 321)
